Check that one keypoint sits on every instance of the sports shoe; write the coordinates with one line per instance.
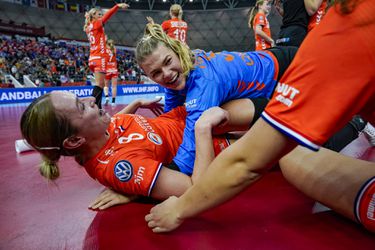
(369, 132)
(106, 101)
(113, 104)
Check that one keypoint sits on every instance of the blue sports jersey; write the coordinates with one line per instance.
(216, 79)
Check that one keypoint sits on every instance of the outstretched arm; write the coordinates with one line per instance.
(113, 10)
(153, 105)
(234, 169)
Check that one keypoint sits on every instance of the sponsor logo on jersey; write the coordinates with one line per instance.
(371, 208)
(191, 103)
(286, 93)
(154, 138)
(123, 170)
(139, 176)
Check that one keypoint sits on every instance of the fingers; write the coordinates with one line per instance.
(104, 200)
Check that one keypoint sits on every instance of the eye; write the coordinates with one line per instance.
(169, 60)
(82, 106)
(155, 74)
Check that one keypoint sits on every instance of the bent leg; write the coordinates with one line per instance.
(328, 177)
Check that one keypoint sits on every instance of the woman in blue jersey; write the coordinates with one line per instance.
(201, 80)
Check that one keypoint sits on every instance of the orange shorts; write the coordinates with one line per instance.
(97, 65)
(331, 79)
(111, 73)
(220, 143)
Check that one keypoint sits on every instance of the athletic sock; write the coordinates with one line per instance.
(97, 93)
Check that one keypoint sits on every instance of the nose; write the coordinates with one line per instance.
(167, 74)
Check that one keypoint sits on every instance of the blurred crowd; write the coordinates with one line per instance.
(55, 63)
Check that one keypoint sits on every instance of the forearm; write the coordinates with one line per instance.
(263, 35)
(204, 153)
(235, 168)
(109, 13)
(131, 108)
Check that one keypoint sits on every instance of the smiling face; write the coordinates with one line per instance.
(82, 113)
(164, 67)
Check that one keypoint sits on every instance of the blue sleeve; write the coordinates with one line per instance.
(197, 102)
(173, 99)
(185, 156)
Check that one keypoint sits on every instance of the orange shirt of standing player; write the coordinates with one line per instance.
(318, 16)
(259, 23)
(175, 27)
(94, 28)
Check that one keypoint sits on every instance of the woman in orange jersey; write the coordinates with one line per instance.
(94, 28)
(259, 23)
(175, 27)
(127, 153)
(111, 73)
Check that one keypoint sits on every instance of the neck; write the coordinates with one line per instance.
(91, 149)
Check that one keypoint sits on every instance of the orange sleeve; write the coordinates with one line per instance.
(134, 173)
(109, 13)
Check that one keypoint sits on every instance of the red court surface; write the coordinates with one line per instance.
(272, 214)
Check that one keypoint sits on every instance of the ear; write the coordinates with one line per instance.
(73, 142)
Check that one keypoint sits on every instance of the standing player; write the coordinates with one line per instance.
(94, 28)
(175, 27)
(259, 23)
(111, 73)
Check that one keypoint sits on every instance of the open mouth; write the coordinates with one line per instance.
(174, 80)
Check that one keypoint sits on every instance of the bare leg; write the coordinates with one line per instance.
(327, 177)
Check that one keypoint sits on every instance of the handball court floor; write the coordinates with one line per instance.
(35, 214)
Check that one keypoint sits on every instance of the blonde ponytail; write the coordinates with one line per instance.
(49, 169)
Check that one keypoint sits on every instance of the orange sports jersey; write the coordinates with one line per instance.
(318, 16)
(96, 36)
(329, 80)
(260, 43)
(176, 29)
(111, 65)
(136, 150)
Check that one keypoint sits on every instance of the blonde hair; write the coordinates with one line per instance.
(176, 10)
(155, 36)
(45, 130)
(111, 45)
(253, 11)
(89, 16)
